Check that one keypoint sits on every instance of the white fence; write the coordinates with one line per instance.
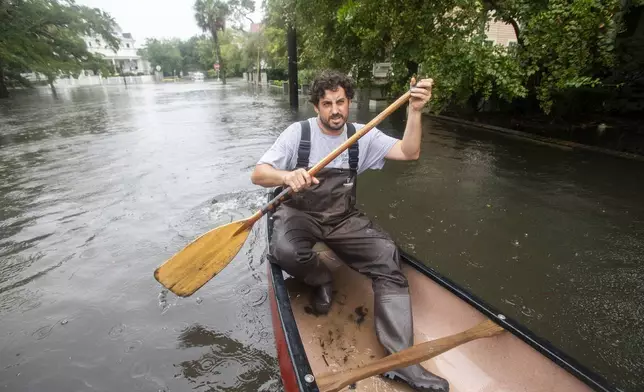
(97, 81)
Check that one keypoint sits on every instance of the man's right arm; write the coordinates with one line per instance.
(267, 176)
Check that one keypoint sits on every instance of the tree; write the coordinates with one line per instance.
(231, 45)
(46, 36)
(211, 16)
(164, 53)
(562, 44)
(189, 56)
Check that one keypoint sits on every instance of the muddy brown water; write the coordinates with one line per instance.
(98, 186)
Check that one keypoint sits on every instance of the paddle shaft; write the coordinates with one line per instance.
(334, 154)
(333, 382)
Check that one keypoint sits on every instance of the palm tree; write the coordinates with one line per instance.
(211, 17)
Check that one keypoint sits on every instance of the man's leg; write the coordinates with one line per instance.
(294, 234)
(369, 250)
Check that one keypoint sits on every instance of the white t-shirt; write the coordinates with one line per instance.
(372, 148)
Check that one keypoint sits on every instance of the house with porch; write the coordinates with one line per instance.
(125, 60)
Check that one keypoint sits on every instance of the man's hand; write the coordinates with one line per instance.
(299, 180)
(420, 94)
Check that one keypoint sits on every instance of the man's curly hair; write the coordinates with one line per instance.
(330, 80)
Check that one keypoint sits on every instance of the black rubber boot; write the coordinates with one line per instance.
(392, 312)
(419, 378)
(322, 298)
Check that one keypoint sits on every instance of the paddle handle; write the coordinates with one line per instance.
(333, 382)
(271, 205)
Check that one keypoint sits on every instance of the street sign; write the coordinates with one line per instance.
(381, 70)
(216, 66)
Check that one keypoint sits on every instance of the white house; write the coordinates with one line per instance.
(500, 33)
(125, 59)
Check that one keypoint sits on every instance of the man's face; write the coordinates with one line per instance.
(333, 109)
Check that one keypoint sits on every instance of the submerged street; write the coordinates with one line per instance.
(99, 186)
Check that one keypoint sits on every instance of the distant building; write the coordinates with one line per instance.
(125, 59)
(256, 27)
(500, 33)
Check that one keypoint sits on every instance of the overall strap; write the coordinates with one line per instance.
(354, 152)
(304, 149)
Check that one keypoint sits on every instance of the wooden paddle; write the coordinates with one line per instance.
(206, 256)
(333, 382)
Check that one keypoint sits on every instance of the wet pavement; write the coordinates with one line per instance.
(98, 186)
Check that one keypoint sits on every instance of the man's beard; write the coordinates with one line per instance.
(327, 123)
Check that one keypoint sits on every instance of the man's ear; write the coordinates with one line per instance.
(316, 109)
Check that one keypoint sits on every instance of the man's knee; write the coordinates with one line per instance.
(291, 252)
(395, 284)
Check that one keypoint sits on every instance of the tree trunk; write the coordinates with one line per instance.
(291, 43)
(412, 69)
(4, 92)
(220, 61)
(50, 80)
(259, 69)
(517, 32)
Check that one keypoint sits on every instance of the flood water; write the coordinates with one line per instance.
(99, 186)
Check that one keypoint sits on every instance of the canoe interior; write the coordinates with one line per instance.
(345, 338)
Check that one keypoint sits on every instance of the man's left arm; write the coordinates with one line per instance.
(408, 148)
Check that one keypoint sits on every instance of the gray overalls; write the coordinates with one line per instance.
(326, 212)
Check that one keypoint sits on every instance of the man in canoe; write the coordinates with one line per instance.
(323, 209)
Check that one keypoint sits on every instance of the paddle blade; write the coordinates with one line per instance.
(202, 259)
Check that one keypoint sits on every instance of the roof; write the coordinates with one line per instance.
(127, 35)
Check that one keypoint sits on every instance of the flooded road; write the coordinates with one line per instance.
(100, 186)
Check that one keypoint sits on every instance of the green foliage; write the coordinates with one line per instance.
(566, 43)
(189, 54)
(306, 76)
(46, 36)
(199, 53)
(211, 16)
(98, 65)
(473, 70)
(164, 53)
(561, 44)
(231, 47)
(275, 51)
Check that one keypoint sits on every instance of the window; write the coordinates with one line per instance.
(489, 42)
(127, 45)
(512, 43)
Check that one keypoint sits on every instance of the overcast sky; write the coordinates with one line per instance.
(156, 18)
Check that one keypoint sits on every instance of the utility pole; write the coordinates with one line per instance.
(291, 43)
(259, 67)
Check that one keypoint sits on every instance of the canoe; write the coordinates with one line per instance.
(309, 345)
